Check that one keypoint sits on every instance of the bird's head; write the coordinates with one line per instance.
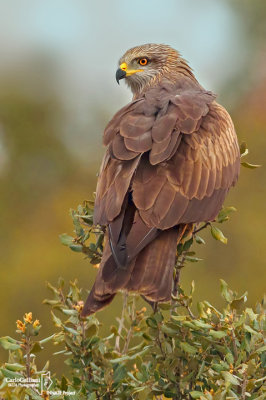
(143, 65)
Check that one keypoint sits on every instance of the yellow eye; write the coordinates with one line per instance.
(143, 61)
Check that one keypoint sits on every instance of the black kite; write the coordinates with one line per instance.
(172, 155)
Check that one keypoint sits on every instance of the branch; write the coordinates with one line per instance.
(121, 322)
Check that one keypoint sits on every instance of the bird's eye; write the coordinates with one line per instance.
(143, 61)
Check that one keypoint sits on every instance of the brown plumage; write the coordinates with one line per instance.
(172, 155)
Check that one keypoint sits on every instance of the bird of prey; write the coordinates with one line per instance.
(172, 155)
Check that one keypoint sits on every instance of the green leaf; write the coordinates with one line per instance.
(66, 240)
(169, 394)
(188, 244)
(192, 290)
(169, 331)
(34, 395)
(133, 357)
(57, 321)
(262, 397)
(10, 374)
(202, 324)
(226, 293)
(212, 308)
(119, 373)
(14, 367)
(46, 366)
(70, 312)
(156, 375)
(132, 377)
(76, 247)
(92, 396)
(192, 259)
(218, 234)
(220, 367)
(199, 240)
(238, 304)
(223, 214)
(151, 322)
(78, 228)
(165, 306)
(9, 343)
(230, 378)
(63, 385)
(195, 394)
(251, 314)
(52, 288)
(217, 334)
(261, 349)
(59, 352)
(250, 166)
(229, 358)
(47, 339)
(178, 317)
(250, 330)
(71, 330)
(243, 149)
(201, 308)
(53, 303)
(188, 348)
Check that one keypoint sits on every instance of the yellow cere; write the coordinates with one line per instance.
(129, 72)
(123, 66)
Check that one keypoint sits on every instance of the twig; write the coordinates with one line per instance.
(234, 344)
(190, 312)
(160, 345)
(129, 335)
(83, 348)
(176, 281)
(121, 322)
(28, 349)
(244, 386)
(201, 228)
(130, 331)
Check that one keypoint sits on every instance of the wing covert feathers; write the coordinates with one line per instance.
(172, 155)
(172, 148)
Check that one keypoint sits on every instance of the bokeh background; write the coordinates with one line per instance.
(57, 92)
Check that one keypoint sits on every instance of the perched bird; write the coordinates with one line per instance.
(172, 155)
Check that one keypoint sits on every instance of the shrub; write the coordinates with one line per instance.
(165, 353)
(172, 353)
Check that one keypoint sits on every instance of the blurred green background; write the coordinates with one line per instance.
(57, 93)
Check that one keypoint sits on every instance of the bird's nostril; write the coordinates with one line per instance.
(123, 66)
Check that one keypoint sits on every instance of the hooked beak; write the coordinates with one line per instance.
(123, 71)
(120, 74)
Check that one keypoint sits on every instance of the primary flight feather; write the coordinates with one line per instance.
(172, 155)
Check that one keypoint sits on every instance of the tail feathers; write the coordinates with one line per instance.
(95, 303)
(153, 272)
(149, 274)
(109, 280)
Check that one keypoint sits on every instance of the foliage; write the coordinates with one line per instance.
(168, 352)
(88, 239)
